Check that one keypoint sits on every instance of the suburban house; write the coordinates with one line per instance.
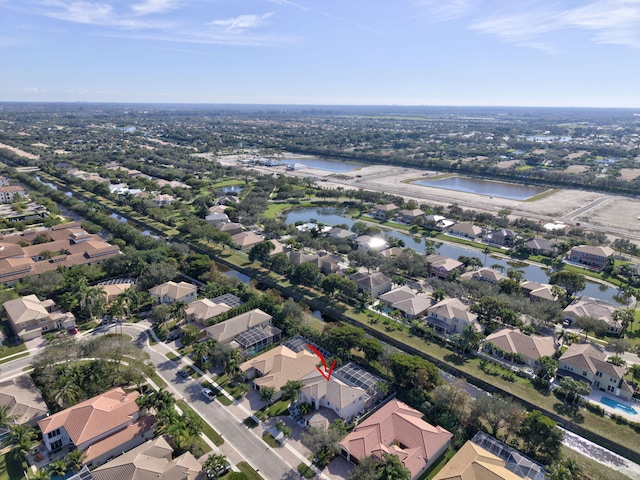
(441, 266)
(328, 264)
(246, 240)
(367, 243)
(7, 192)
(152, 459)
(594, 257)
(375, 283)
(298, 257)
(23, 400)
(538, 291)
(30, 318)
(582, 308)
(450, 316)
(410, 216)
(217, 219)
(172, 292)
(502, 237)
(201, 311)
(231, 228)
(542, 246)
(163, 199)
(113, 288)
(585, 362)
(383, 212)
(102, 426)
(484, 274)
(395, 428)
(466, 230)
(391, 252)
(350, 391)
(4, 181)
(66, 245)
(252, 331)
(514, 342)
(483, 457)
(275, 367)
(406, 301)
(341, 233)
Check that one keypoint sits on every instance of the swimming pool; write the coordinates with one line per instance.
(621, 406)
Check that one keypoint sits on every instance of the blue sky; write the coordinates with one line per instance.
(408, 52)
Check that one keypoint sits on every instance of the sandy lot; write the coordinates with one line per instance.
(576, 169)
(615, 215)
(629, 173)
(17, 151)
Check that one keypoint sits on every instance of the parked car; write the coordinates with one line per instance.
(72, 330)
(208, 393)
(184, 373)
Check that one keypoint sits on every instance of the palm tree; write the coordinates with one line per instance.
(68, 392)
(42, 474)
(91, 295)
(133, 298)
(290, 390)
(232, 364)
(75, 460)
(21, 438)
(178, 309)
(437, 295)
(58, 467)
(201, 354)
(5, 418)
(486, 251)
(267, 394)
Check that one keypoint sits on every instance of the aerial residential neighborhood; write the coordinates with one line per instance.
(191, 313)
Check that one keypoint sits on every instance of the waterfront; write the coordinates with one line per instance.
(511, 191)
(534, 273)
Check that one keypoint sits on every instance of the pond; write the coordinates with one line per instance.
(232, 189)
(50, 185)
(337, 166)
(511, 191)
(534, 273)
(118, 217)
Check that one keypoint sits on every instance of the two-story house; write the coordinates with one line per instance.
(376, 283)
(383, 212)
(595, 258)
(30, 318)
(585, 362)
(172, 292)
(466, 230)
(450, 316)
(443, 267)
(410, 216)
(102, 426)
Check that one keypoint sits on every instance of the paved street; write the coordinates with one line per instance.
(237, 437)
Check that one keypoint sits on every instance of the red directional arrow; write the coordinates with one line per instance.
(326, 373)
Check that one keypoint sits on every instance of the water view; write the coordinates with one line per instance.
(511, 191)
(534, 273)
(325, 164)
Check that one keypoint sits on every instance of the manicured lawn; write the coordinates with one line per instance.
(306, 470)
(157, 380)
(591, 467)
(276, 409)
(520, 388)
(269, 440)
(5, 360)
(12, 467)
(251, 474)
(207, 430)
(235, 391)
(6, 351)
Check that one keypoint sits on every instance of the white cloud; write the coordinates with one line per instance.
(532, 24)
(80, 11)
(241, 22)
(154, 6)
(32, 90)
(442, 10)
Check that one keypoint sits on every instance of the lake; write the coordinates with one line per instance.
(511, 191)
(325, 164)
(534, 273)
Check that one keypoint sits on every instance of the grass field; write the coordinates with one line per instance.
(12, 467)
